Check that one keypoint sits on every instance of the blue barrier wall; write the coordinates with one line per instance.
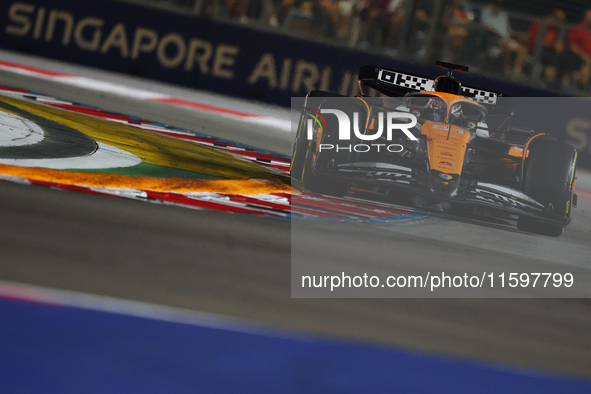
(211, 55)
(58, 349)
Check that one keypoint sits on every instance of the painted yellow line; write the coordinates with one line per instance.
(149, 146)
(165, 185)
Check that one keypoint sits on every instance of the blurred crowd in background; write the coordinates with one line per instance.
(530, 41)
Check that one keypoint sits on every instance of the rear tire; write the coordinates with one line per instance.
(549, 174)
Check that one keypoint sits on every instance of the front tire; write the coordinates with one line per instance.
(300, 151)
(316, 184)
(301, 144)
(548, 179)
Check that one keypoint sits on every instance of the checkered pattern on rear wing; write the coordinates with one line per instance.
(408, 81)
(482, 96)
(414, 82)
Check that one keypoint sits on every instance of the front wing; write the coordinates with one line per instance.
(470, 191)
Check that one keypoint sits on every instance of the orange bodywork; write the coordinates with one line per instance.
(450, 99)
(446, 146)
(516, 152)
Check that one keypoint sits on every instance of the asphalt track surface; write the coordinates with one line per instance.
(240, 266)
(266, 138)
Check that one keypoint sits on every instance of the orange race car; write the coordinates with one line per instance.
(440, 143)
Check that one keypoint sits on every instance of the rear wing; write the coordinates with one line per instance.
(396, 84)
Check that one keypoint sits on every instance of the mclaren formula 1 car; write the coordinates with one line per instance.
(435, 142)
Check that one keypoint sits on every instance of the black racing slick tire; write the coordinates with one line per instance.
(321, 185)
(298, 157)
(548, 179)
(305, 155)
(301, 144)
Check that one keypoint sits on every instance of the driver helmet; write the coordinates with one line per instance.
(438, 110)
(456, 111)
